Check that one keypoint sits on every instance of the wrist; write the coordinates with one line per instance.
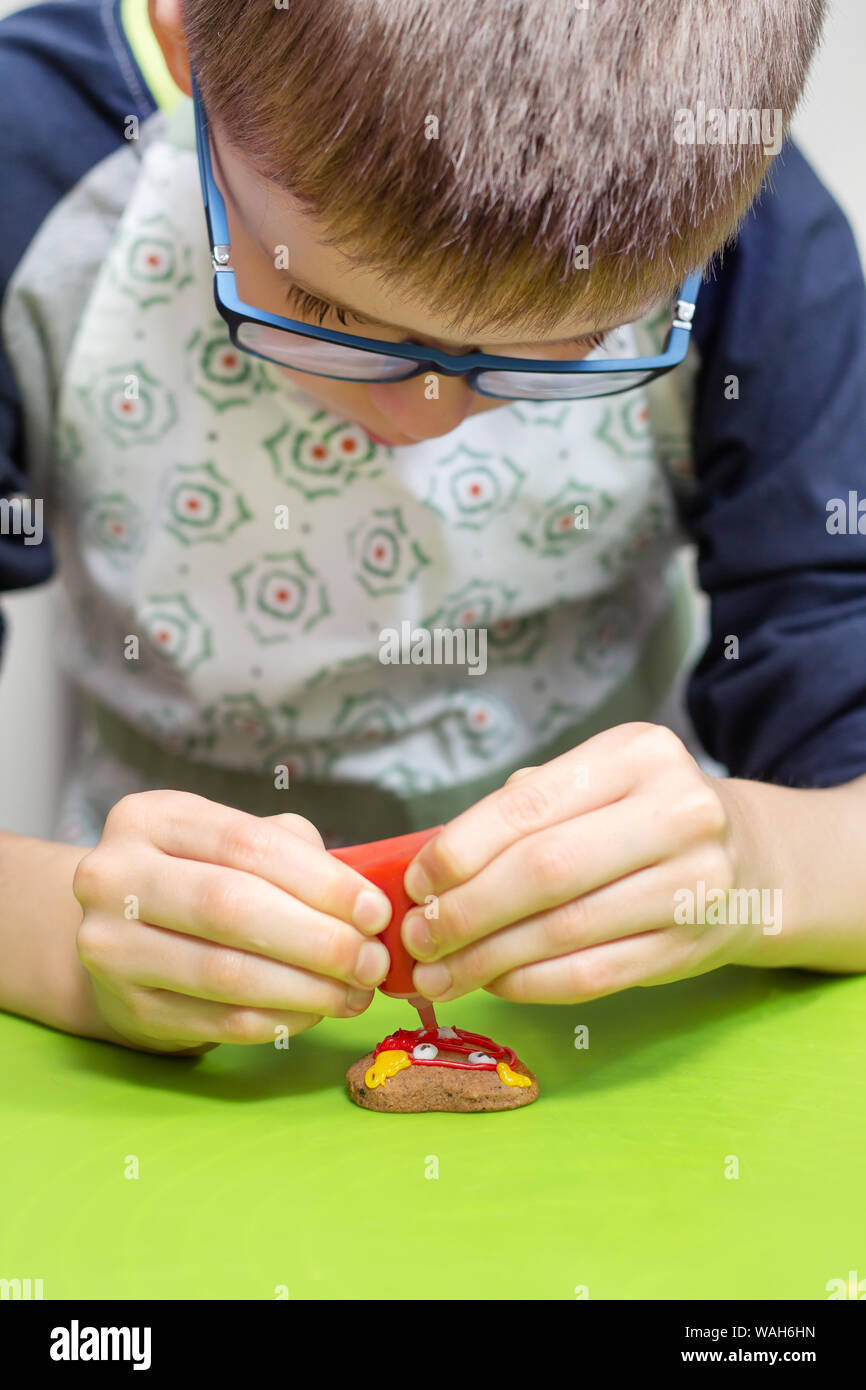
(802, 848)
(41, 975)
(766, 890)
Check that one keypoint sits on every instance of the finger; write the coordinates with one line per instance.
(648, 959)
(583, 779)
(541, 871)
(239, 909)
(191, 827)
(151, 957)
(180, 1019)
(641, 902)
(300, 825)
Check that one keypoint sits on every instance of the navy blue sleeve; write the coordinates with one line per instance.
(67, 80)
(783, 326)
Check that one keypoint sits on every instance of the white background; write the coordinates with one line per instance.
(831, 129)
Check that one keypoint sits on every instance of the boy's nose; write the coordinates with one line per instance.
(425, 406)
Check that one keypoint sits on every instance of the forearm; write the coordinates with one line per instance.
(811, 845)
(41, 976)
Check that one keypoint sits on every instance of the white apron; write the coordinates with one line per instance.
(231, 553)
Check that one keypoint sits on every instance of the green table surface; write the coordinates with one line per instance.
(256, 1171)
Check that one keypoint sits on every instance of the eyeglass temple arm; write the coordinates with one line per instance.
(684, 310)
(213, 200)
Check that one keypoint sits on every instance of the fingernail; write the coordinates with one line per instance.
(432, 980)
(416, 883)
(417, 935)
(372, 911)
(372, 964)
(357, 1000)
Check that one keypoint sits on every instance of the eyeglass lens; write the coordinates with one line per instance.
(318, 355)
(557, 386)
(326, 358)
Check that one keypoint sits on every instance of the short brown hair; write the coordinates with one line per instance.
(555, 132)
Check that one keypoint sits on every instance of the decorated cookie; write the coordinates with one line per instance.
(440, 1069)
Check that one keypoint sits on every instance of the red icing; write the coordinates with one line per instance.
(405, 1039)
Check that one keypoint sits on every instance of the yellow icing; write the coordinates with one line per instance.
(511, 1078)
(386, 1065)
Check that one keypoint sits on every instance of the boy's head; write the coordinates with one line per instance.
(507, 175)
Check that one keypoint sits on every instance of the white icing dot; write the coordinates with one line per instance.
(479, 1057)
(425, 1052)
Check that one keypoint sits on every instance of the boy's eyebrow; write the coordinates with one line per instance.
(401, 328)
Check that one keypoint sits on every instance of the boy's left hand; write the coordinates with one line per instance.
(560, 886)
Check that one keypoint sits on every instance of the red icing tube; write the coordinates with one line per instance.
(384, 862)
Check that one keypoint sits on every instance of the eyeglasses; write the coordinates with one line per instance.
(347, 357)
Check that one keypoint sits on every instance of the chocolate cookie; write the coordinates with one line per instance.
(416, 1088)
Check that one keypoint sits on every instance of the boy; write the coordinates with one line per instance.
(245, 512)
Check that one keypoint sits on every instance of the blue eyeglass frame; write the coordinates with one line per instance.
(235, 312)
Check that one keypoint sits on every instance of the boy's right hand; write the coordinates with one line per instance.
(203, 924)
